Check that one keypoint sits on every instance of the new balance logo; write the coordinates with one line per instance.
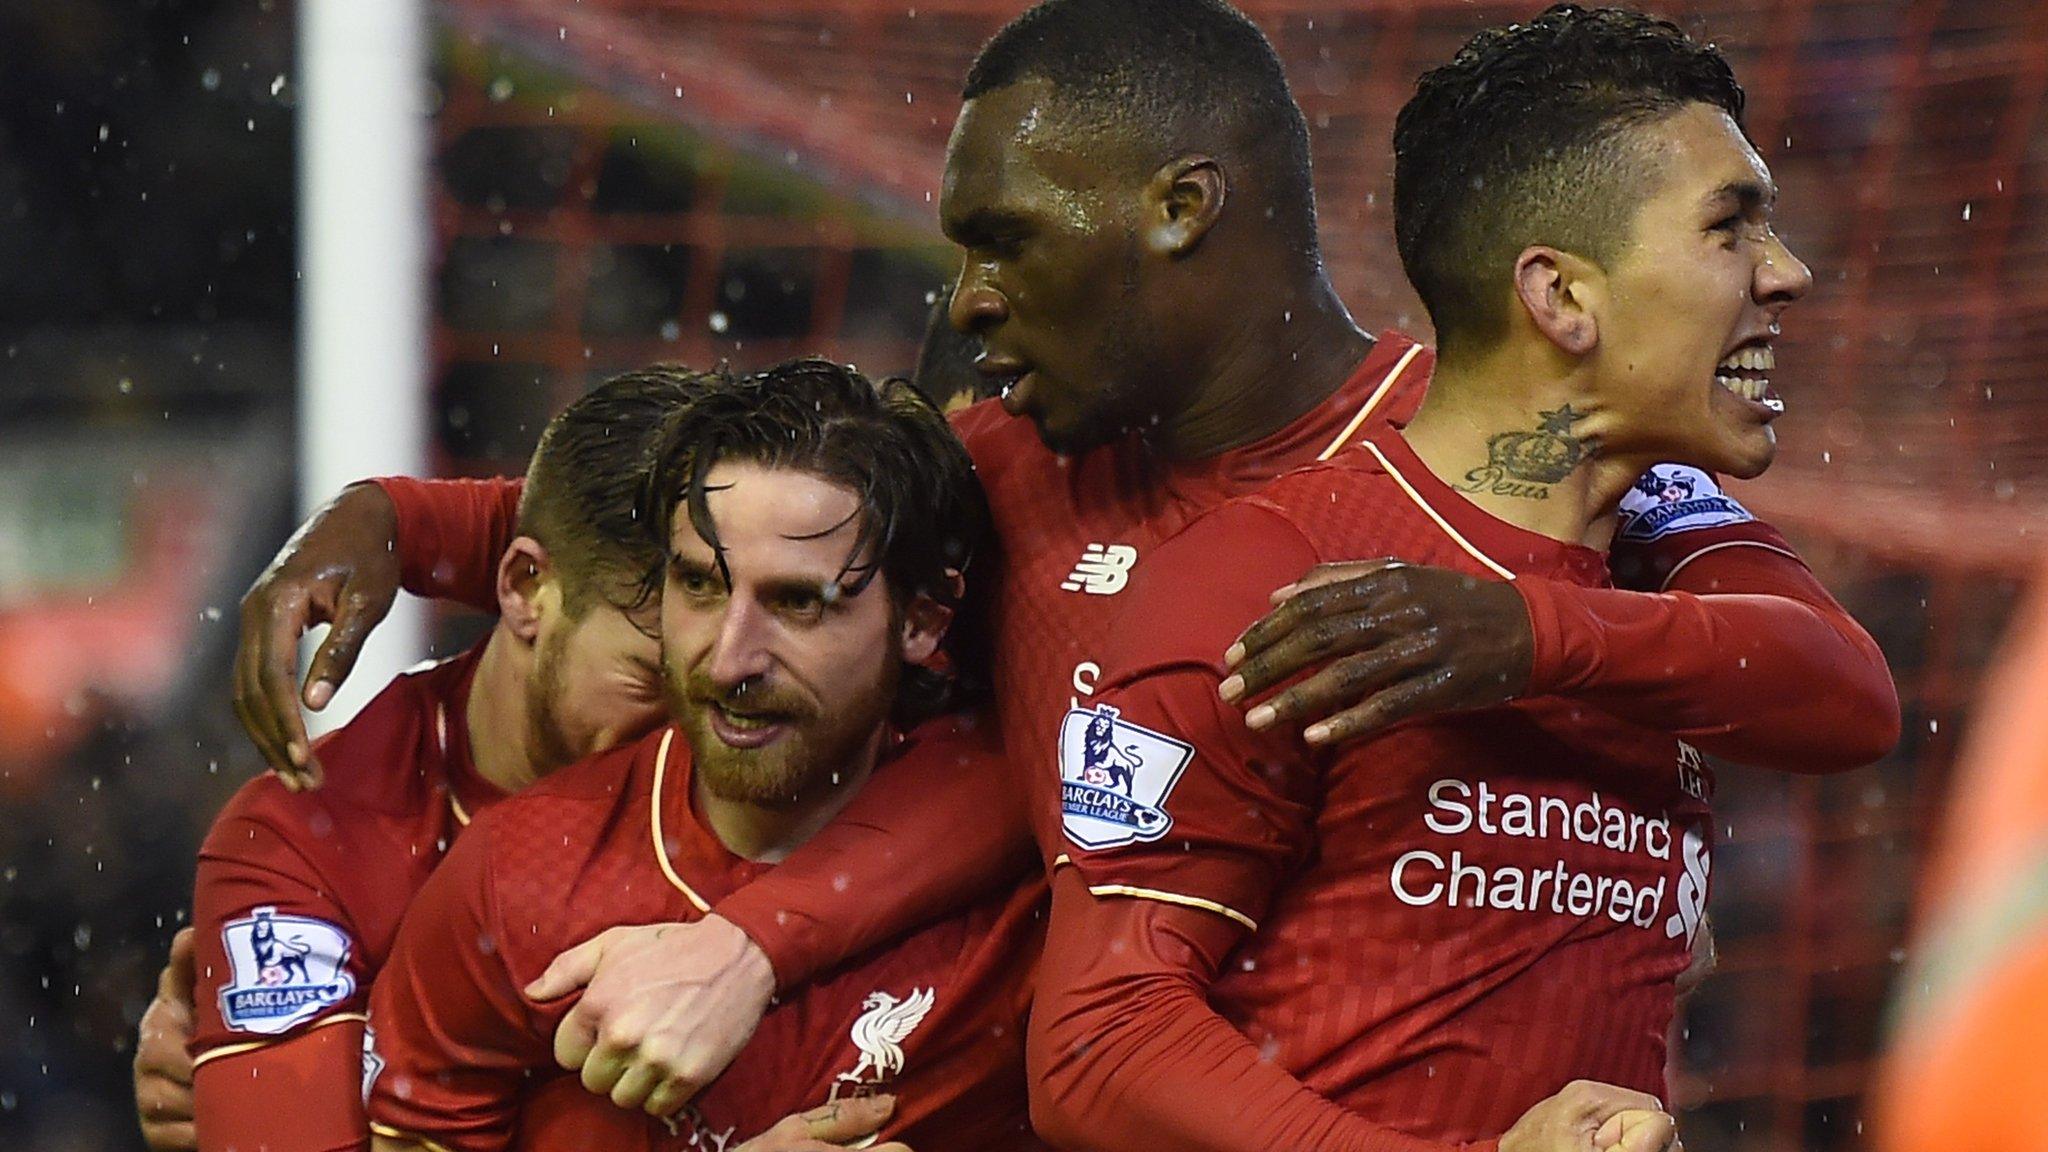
(1103, 571)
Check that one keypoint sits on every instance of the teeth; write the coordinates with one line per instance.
(1746, 387)
(743, 720)
(1756, 358)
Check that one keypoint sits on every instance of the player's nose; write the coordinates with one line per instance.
(740, 653)
(977, 304)
(1781, 276)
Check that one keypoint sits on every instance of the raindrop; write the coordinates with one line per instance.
(209, 80)
(277, 84)
(719, 322)
(1966, 212)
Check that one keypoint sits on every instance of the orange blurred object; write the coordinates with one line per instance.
(1966, 1070)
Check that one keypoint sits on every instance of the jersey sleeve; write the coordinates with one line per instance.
(303, 1093)
(274, 952)
(1165, 794)
(451, 534)
(1125, 1053)
(280, 987)
(1742, 651)
(1673, 515)
(899, 843)
(451, 1039)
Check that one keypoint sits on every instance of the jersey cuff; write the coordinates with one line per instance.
(1690, 557)
(222, 1051)
(390, 1133)
(1136, 892)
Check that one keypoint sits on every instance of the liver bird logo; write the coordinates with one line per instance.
(880, 1031)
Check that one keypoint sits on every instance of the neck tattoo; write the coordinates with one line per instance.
(1526, 464)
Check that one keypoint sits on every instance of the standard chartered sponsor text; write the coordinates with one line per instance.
(1422, 877)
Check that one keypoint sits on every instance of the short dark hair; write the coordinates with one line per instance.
(583, 485)
(1522, 139)
(924, 518)
(1175, 76)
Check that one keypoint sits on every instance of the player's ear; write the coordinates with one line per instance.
(1182, 201)
(925, 621)
(523, 571)
(1561, 293)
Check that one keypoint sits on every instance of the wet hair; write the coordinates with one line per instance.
(923, 517)
(1171, 76)
(1524, 138)
(583, 485)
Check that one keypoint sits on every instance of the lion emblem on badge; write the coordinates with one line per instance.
(1103, 764)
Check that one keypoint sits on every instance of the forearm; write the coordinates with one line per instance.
(451, 534)
(1747, 657)
(926, 836)
(1126, 1053)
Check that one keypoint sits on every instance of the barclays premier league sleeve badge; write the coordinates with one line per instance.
(1115, 777)
(1674, 498)
(285, 971)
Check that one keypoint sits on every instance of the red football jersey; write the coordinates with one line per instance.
(461, 1058)
(1074, 530)
(298, 898)
(1443, 924)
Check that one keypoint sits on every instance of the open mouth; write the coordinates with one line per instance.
(746, 729)
(1005, 376)
(1747, 373)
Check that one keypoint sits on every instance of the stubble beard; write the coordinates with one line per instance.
(547, 746)
(781, 775)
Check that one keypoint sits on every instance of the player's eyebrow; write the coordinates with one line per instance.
(981, 223)
(682, 565)
(1748, 195)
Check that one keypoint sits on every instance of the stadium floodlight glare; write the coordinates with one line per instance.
(363, 235)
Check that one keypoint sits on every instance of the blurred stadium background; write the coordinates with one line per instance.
(618, 181)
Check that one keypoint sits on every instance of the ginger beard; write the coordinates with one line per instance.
(783, 678)
(803, 744)
(592, 685)
(548, 744)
